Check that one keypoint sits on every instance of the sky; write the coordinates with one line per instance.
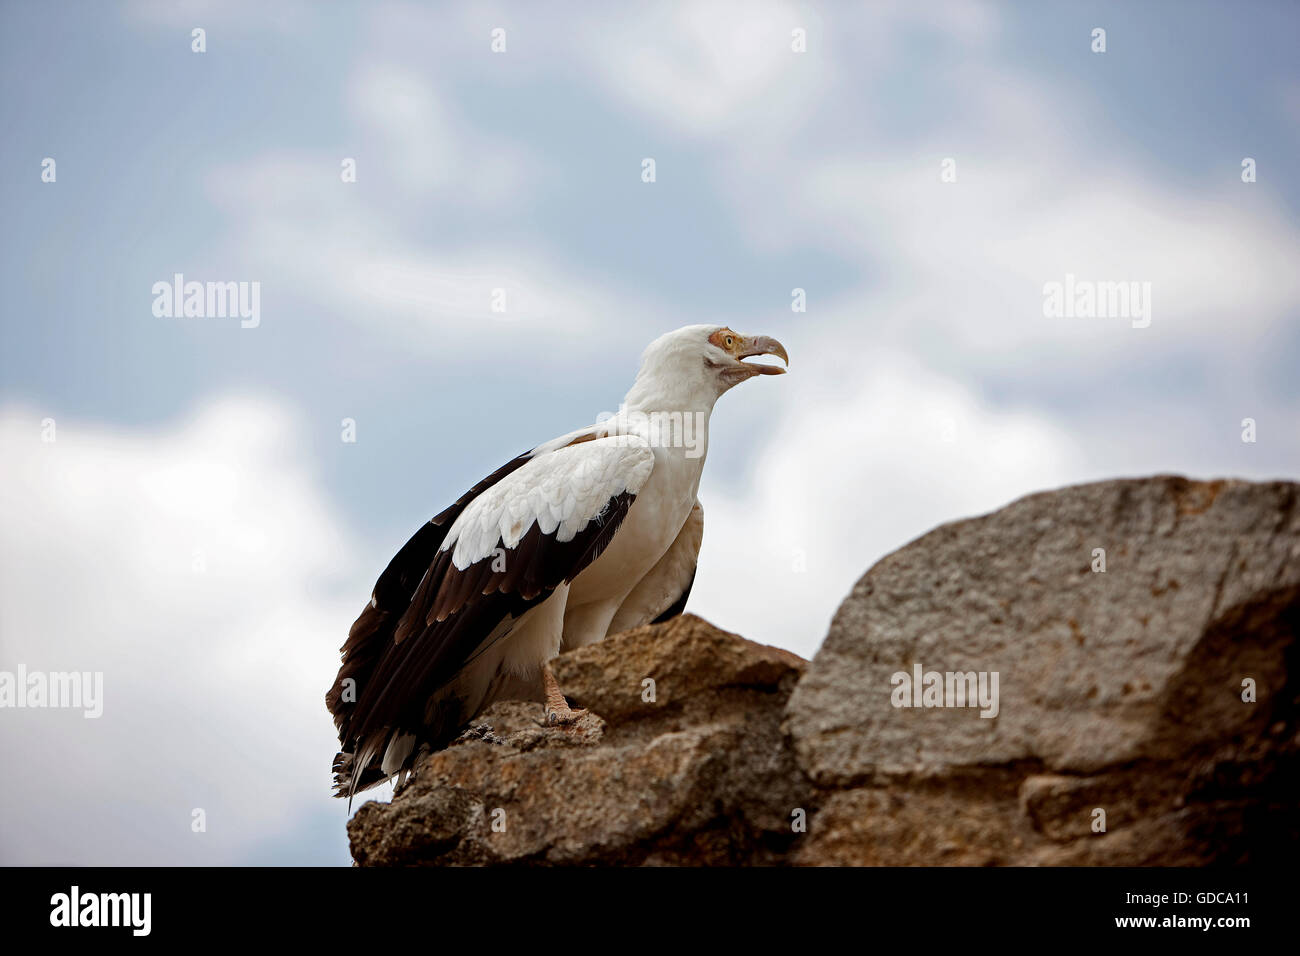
(184, 514)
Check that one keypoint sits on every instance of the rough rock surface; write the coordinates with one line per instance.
(1119, 691)
(701, 774)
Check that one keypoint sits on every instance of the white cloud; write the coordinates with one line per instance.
(725, 71)
(412, 136)
(300, 230)
(871, 453)
(974, 255)
(960, 267)
(708, 69)
(192, 566)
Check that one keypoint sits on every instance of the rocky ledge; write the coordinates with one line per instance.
(680, 759)
(1129, 648)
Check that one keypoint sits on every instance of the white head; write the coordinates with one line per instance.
(691, 366)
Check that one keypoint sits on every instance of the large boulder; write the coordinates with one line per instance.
(1125, 690)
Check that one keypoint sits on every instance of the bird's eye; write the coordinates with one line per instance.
(731, 342)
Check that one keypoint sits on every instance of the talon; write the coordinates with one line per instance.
(556, 717)
(558, 710)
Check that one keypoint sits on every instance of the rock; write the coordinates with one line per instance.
(1119, 698)
(1119, 691)
(699, 774)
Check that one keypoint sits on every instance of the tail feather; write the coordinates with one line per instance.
(362, 768)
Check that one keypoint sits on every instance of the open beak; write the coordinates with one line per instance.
(763, 345)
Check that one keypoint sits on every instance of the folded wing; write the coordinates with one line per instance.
(461, 581)
(662, 593)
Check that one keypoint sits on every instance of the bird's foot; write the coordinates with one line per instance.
(559, 713)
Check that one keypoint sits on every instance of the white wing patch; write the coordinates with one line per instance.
(561, 491)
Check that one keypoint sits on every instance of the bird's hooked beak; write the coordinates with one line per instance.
(762, 345)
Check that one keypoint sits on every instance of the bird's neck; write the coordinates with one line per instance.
(673, 421)
(652, 394)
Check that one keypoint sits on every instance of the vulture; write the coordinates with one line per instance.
(588, 534)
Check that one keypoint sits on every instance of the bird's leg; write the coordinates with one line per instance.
(558, 710)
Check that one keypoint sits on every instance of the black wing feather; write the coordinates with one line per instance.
(392, 595)
(429, 619)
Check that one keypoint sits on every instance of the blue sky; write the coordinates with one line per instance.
(200, 533)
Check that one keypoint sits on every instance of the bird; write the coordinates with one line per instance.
(592, 533)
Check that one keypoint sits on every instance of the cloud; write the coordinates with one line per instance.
(198, 567)
(975, 254)
(863, 460)
(293, 223)
(416, 139)
(708, 69)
